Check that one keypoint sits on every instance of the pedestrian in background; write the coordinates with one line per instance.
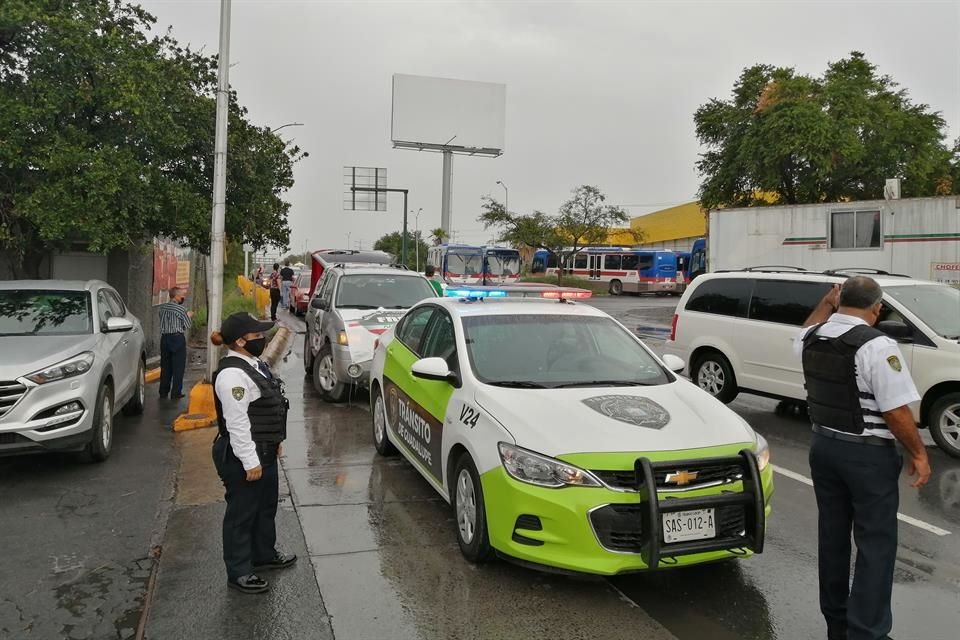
(252, 424)
(175, 320)
(431, 274)
(274, 291)
(258, 275)
(858, 392)
(286, 281)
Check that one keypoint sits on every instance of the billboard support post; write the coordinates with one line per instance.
(445, 195)
(403, 237)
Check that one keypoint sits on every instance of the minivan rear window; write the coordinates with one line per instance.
(722, 296)
(785, 301)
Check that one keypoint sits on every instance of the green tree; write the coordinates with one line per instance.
(582, 220)
(392, 244)
(438, 236)
(786, 138)
(106, 137)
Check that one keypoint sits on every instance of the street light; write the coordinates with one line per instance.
(416, 236)
(506, 198)
(289, 124)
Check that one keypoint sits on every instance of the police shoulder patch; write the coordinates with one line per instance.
(237, 393)
(894, 363)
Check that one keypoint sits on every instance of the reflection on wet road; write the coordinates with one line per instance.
(385, 554)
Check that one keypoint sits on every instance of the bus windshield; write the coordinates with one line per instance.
(464, 263)
(506, 263)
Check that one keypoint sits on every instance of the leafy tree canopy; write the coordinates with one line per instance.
(581, 221)
(392, 243)
(106, 137)
(803, 139)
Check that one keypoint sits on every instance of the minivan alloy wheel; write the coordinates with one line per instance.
(710, 378)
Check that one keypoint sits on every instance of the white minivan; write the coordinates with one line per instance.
(735, 330)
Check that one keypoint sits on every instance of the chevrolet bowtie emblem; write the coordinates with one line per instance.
(681, 478)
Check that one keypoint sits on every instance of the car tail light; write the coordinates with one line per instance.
(673, 328)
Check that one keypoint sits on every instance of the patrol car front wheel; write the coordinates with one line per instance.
(945, 423)
(470, 512)
(380, 441)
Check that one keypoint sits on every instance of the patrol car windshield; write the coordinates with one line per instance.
(389, 291)
(557, 351)
(936, 304)
(27, 312)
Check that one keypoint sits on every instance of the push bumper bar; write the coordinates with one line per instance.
(751, 498)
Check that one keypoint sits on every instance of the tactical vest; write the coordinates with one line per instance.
(830, 374)
(268, 413)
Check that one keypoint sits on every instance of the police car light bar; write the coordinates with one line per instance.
(568, 294)
(474, 292)
(520, 290)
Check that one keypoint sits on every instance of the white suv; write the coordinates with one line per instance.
(736, 329)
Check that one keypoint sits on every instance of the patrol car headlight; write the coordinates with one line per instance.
(342, 337)
(75, 366)
(533, 468)
(763, 452)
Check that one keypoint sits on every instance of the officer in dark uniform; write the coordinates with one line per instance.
(858, 392)
(252, 420)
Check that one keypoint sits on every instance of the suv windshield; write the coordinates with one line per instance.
(551, 351)
(389, 290)
(25, 312)
(938, 305)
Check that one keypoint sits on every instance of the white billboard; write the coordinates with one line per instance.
(439, 114)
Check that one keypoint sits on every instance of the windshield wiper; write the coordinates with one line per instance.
(517, 384)
(357, 306)
(605, 383)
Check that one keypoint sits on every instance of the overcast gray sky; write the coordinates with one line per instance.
(597, 92)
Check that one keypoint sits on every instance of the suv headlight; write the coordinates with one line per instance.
(75, 366)
(533, 468)
(763, 452)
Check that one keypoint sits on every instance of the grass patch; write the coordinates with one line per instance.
(598, 288)
(233, 302)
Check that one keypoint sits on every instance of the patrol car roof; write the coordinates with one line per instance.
(516, 306)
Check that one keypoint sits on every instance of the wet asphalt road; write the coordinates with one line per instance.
(76, 537)
(384, 548)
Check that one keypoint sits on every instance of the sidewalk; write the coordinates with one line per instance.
(190, 598)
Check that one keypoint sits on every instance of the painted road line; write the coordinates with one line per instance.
(920, 524)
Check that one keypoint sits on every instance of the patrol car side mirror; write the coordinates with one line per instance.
(318, 303)
(434, 369)
(674, 363)
(895, 329)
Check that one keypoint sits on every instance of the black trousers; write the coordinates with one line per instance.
(249, 523)
(856, 488)
(274, 302)
(173, 360)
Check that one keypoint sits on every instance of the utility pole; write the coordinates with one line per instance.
(215, 305)
(416, 235)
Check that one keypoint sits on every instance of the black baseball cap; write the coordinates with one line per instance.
(240, 324)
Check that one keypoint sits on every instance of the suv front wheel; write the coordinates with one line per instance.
(712, 373)
(325, 379)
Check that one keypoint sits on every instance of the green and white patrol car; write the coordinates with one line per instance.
(561, 440)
